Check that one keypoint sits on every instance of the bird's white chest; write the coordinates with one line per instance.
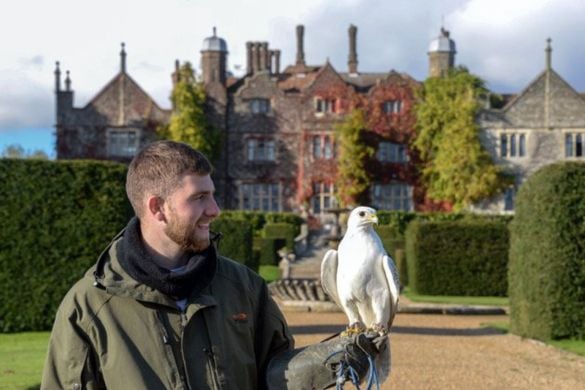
(360, 265)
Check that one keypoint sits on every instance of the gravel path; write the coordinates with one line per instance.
(455, 352)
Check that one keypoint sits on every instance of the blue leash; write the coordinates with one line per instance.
(345, 371)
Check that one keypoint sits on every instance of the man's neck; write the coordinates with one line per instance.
(166, 254)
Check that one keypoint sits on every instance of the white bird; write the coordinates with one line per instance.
(362, 279)
(360, 276)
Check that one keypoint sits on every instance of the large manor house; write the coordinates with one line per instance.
(279, 126)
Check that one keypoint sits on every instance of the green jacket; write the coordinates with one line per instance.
(114, 332)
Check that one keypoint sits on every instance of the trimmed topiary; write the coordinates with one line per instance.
(547, 255)
(463, 257)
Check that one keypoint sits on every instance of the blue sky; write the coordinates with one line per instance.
(502, 41)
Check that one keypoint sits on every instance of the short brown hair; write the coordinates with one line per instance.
(159, 168)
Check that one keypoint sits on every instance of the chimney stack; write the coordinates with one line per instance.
(352, 62)
(300, 51)
(262, 55)
(249, 61)
(276, 56)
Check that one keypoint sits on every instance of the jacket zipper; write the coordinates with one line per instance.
(210, 357)
(183, 326)
(168, 343)
(211, 366)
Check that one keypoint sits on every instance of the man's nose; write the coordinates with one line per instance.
(213, 209)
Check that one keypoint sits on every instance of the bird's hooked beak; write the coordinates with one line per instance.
(373, 218)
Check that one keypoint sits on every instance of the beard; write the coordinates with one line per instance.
(184, 234)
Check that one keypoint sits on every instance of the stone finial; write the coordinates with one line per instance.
(67, 82)
(123, 58)
(300, 50)
(548, 56)
(352, 61)
(57, 77)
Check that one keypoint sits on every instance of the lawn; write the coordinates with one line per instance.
(270, 273)
(460, 300)
(21, 359)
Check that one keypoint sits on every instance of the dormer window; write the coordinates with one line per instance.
(259, 106)
(323, 106)
(122, 142)
(392, 106)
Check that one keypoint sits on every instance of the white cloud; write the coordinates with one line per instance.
(502, 41)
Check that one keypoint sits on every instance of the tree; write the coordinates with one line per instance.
(17, 151)
(353, 180)
(456, 167)
(189, 122)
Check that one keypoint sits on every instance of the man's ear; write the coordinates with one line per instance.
(155, 207)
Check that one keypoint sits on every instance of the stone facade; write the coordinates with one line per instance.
(112, 126)
(280, 149)
(280, 126)
(542, 125)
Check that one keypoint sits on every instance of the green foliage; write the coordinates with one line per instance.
(189, 122)
(353, 180)
(17, 151)
(236, 241)
(547, 254)
(464, 257)
(259, 218)
(269, 248)
(456, 167)
(56, 218)
(281, 230)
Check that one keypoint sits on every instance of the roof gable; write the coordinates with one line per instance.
(122, 102)
(548, 101)
(326, 80)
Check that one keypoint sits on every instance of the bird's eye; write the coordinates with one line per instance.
(362, 214)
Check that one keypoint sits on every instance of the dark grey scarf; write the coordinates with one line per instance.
(135, 259)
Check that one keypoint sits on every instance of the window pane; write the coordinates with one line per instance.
(569, 145)
(513, 145)
(522, 145)
(578, 145)
(317, 147)
(327, 153)
(503, 145)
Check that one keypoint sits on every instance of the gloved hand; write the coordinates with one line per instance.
(317, 366)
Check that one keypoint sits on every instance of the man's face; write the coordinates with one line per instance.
(190, 210)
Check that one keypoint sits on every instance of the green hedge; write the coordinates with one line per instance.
(547, 255)
(236, 241)
(56, 219)
(281, 230)
(463, 257)
(260, 218)
(269, 250)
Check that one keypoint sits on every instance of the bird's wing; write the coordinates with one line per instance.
(329, 275)
(393, 284)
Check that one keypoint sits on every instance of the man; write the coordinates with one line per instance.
(160, 309)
